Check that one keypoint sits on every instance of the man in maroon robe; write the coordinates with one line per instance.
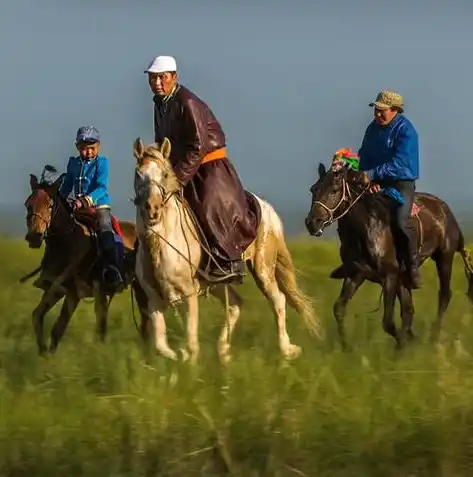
(228, 215)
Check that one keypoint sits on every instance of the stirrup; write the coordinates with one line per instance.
(224, 278)
(220, 276)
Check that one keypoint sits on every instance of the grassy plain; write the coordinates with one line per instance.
(98, 410)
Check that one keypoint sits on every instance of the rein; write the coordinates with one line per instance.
(54, 211)
(166, 196)
(54, 206)
(205, 246)
(346, 197)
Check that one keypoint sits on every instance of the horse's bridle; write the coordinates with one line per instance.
(347, 196)
(54, 210)
(164, 194)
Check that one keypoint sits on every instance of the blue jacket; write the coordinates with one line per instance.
(88, 179)
(391, 152)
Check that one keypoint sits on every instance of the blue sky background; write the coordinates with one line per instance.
(289, 81)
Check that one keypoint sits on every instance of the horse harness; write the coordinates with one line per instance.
(347, 196)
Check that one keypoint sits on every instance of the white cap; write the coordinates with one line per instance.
(162, 64)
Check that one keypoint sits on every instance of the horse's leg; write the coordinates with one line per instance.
(101, 307)
(407, 312)
(349, 288)
(141, 300)
(231, 317)
(444, 264)
(192, 321)
(37, 318)
(265, 278)
(156, 312)
(155, 307)
(389, 295)
(68, 308)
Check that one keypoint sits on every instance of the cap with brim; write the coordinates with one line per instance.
(162, 64)
(87, 135)
(379, 105)
(388, 99)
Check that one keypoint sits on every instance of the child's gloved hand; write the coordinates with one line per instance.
(375, 188)
(77, 204)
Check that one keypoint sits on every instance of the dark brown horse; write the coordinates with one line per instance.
(368, 247)
(70, 260)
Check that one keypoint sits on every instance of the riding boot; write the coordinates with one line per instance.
(111, 272)
(414, 264)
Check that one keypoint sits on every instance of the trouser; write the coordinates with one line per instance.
(104, 217)
(106, 237)
(408, 234)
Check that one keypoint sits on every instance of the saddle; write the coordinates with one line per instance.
(89, 217)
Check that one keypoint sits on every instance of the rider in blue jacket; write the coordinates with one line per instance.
(87, 176)
(390, 155)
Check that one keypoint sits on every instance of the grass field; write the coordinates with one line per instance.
(99, 410)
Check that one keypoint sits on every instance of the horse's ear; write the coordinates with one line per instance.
(322, 170)
(57, 183)
(33, 182)
(166, 148)
(138, 149)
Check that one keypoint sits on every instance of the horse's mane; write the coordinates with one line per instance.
(52, 189)
(378, 205)
(155, 153)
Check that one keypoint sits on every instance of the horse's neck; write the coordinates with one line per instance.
(176, 229)
(176, 217)
(62, 221)
(365, 216)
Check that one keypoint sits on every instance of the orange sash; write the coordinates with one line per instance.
(220, 153)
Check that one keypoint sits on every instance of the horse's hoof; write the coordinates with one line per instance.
(292, 352)
(399, 347)
(185, 356)
(346, 348)
(434, 337)
(412, 338)
(169, 354)
(339, 273)
(225, 358)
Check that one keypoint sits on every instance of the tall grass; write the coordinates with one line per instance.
(100, 410)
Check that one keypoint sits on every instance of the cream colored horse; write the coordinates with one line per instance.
(169, 254)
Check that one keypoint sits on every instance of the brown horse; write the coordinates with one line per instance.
(70, 259)
(368, 248)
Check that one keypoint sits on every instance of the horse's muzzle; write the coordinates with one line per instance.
(34, 239)
(314, 226)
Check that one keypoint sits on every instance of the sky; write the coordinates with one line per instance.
(289, 81)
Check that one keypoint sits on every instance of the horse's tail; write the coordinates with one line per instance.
(467, 264)
(286, 279)
(31, 274)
